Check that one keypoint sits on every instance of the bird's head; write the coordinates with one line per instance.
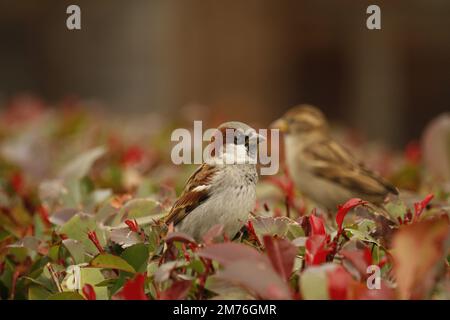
(238, 137)
(301, 119)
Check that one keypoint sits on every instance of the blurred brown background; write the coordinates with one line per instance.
(247, 60)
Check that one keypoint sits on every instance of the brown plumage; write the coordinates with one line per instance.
(220, 191)
(323, 169)
(191, 198)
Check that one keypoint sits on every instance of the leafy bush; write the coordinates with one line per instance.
(81, 202)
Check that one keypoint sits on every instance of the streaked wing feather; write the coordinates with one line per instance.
(190, 198)
(333, 162)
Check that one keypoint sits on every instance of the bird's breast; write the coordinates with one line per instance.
(232, 197)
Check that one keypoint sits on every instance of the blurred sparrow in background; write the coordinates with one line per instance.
(322, 169)
(220, 191)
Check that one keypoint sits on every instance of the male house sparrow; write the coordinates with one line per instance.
(322, 169)
(223, 189)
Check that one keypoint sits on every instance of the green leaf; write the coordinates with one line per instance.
(137, 208)
(93, 277)
(72, 198)
(197, 265)
(153, 239)
(20, 253)
(362, 236)
(7, 274)
(314, 283)
(3, 234)
(396, 209)
(146, 188)
(80, 166)
(66, 296)
(106, 283)
(136, 256)
(120, 281)
(294, 231)
(109, 261)
(38, 293)
(152, 267)
(280, 226)
(77, 228)
(28, 242)
(39, 282)
(39, 228)
(76, 250)
(53, 252)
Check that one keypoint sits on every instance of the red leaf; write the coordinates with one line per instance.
(367, 256)
(251, 232)
(281, 255)
(93, 237)
(345, 208)
(133, 155)
(274, 292)
(413, 153)
(17, 183)
(177, 291)
(179, 237)
(418, 252)
(258, 277)
(361, 292)
(185, 253)
(285, 184)
(360, 259)
(43, 213)
(88, 291)
(316, 253)
(133, 225)
(383, 262)
(339, 281)
(305, 223)
(134, 288)
(228, 252)
(420, 206)
(317, 225)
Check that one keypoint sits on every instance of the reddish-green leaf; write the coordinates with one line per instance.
(339, 281)
(345, 208)
(317, 225)
(281, 255)
(134, 288)
(179, 237)
(177, 291)
(418, 251)
(316, 251)
(420, 206)
(226, 253)
(89, 292)
(258, 278)
(360, 259)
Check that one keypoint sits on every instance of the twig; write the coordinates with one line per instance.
(54, 277)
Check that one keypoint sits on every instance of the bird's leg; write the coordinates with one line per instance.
(288, 211)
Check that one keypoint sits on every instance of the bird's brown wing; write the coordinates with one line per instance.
(333, 162)
(195, 192)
